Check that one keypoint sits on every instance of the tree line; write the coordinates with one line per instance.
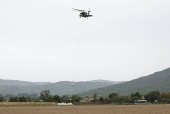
(46, 96)
(150, 97)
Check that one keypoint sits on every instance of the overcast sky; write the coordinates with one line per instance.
(124, 40)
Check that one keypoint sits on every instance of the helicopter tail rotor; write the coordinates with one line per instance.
(88, 12)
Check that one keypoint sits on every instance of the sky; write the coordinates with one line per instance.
(124, 40)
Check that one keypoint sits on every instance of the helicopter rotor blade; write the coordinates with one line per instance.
(78, 10)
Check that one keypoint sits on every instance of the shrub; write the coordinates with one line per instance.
(121, 99)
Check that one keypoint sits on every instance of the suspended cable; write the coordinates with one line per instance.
(78, 51)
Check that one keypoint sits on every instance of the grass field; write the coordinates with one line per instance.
(100, 109)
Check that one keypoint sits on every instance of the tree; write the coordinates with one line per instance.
(13, 99)
(77, 99)
(165, 95)
(22, 99)
(56, 98)
(101, 99)
(112, 95)
(61, 99)
(65, 96)
(168, 101)
(48, 99)
(73, 98)
(135, 96)
(28, 99)
(153, 95)
(95, 97)
(44, 94)
(36, 100)
(164, 100)
(1, 99)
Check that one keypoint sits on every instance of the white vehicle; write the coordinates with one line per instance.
(64, 104)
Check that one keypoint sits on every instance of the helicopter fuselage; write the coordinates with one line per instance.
(84, 14)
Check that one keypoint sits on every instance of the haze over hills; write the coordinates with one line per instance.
(113, 82)
(158, 81)
(58, 88)
(20, 83)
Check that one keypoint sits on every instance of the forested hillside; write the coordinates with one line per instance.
(113, 82)
(58, 88)
(159, 81)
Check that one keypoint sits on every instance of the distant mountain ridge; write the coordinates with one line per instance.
(58, 88)
(28, 83)
(20, 83)
(158, 81)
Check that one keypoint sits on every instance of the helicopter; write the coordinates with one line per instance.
(84, 13)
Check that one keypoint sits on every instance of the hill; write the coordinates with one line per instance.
(107, 81)
(159, 81)
(58, 88)
(20, 83)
